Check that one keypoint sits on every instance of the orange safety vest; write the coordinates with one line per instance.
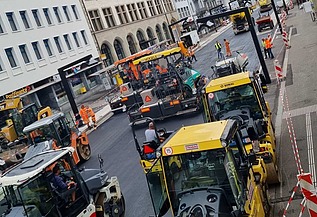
(91, 114)
(160, 69)
(84, 115)
(268, 44)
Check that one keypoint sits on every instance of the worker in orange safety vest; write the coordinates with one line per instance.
(84, 115)
(268, 46)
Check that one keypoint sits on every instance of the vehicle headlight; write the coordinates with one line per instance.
(158, 154)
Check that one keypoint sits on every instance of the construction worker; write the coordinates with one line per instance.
(270, 38)
(192, 54)
(36, 135)
(218, 48)
(264, 48)
(91, 114)
(84, 115)
(268, 46)
(227, 45)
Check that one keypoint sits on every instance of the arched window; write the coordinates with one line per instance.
(109, 58)
(131, 44)
(166, 31)
(159, 32)
(119, 49)
(141, 40)
(150, 35)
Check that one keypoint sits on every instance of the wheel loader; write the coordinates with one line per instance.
(29, 188)
(240, 96)
(13, 118)
(56, 132)
(216, 177)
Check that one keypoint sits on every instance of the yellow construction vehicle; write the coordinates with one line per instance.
(239, 20)
(14, 117)
(265, 5)
(240, 96)
(216, 176)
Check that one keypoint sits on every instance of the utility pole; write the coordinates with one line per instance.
(277, 18)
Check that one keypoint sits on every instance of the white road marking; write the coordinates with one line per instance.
(310, 149)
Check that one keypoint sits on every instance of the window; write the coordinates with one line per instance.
(83, 35)
(1, 66)
(48, 47)
(132, 16)
(135, 11)
(24, 53)
(11, 57)
(75, 36)
(95, 19)
(107, 12)
(68, 43)
(131, 44)
(122, 14)
(25, 19)
(75, 12)
(47, 16)
(58, 44)
(36, 17)
(1, 28)
(106, 50)
(12, 21)
(36, 49)
(159, 32)
(142, 10)
(158, 6)
(66, 12)
(151, 7)
(57, 14)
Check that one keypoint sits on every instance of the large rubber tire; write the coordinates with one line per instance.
(273, 176)
(120, 206)
(84, 152)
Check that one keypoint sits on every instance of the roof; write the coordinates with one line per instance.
(133, 56)
(32, 167)
(228, 82)
(45, 121)
(196, 138)
(157, 55)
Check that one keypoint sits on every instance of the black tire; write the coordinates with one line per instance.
(271, 24)
(84, 152)
(259, 28)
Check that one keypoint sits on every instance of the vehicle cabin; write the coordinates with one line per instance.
(29, 191)
(209, 170)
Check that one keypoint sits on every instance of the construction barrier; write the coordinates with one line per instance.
(309, 192)
(278, 70)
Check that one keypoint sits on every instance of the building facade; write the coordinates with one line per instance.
(124, 27)
(36, 39)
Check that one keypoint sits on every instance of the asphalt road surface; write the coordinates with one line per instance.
(114, 141)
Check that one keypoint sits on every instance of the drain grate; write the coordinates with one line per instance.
(289, 77)
(294, 31)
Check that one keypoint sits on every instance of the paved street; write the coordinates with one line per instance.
(113, 139)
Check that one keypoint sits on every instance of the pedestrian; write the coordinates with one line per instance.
(192, 54)
(91, 114)
(218, 48)
(264, 48)
(84, 115)
(227, 45)
(268, 46)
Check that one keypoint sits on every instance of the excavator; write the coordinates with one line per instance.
(216, 176)
(13, 118)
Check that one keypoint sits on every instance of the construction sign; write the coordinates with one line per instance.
(147, 99)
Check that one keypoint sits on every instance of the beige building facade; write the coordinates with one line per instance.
(124, 27)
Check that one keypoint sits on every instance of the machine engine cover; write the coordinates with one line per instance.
(94, 179)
